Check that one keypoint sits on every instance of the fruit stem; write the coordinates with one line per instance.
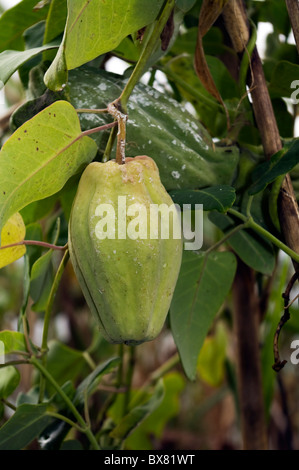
(115, 111)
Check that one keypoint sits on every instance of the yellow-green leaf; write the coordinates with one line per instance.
(212, 356)
(13, 232)
(40, 156)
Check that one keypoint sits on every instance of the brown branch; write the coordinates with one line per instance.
(247, 306)
(246, 317)
(293, 10)
(288, 212)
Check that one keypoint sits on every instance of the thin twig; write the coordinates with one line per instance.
(35, 243)
(92, 111)
(278, 364)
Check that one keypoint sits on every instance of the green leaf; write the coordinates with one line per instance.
(41, 155)
(123, 429)
(202, 287)
(94, 28)
(211, 365)
(16, 20)
(25, 425)
(90, 383)
(13, 341)
(42, 276)
(9, 380)
(56, 20)
(13, 232)
(280, 164)
(219, 198)
(253, 249)
(157, 126)
(11, 60)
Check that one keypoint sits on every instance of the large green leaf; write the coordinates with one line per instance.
(219, 198)
(38, 159)
(16, 20)
(94, 28)
(24, 426)
(280, 164)
(202, 287)
(97, 27)
(253, 249)
(159, 127)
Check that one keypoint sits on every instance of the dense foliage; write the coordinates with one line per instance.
(186, 75)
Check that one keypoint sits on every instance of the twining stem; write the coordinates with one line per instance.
(85, 429)
(48, 312)
(278, 364)
(250, 223)
(92, 111)
(35, 243)
(65, 419)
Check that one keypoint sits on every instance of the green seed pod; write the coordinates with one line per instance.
(126, 247)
